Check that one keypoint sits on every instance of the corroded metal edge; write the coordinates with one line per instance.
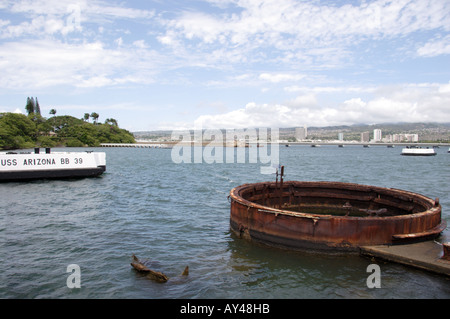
(298, 230)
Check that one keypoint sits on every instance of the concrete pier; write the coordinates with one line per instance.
(137, 145)
(425, 255)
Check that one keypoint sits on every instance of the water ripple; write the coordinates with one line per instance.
(178, 214)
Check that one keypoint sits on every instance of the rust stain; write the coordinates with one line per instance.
(331, 214)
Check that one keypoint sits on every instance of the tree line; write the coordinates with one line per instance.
(18, 131)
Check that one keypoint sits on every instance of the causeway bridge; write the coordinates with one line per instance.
(170, 144)
(139, 145)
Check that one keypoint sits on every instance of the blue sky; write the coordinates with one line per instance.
(228, 63)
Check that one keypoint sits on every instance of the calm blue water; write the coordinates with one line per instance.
(178, 214)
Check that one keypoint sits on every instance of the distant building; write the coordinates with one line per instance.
(341, 136)
(387, 139)
(413, 137)
(301, 133)
(377, 135)
(405, 138)
(365, 137)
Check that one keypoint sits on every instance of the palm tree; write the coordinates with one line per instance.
(86, 117)
(95, 117)
(53, 112)
(112, 122)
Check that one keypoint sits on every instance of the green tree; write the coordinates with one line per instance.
(16, 131)
(86, 117)
(53, 112)
(95, 117)
(60, 122)
(37, 108)
(29, 106)
(112, 122)
(21, 131)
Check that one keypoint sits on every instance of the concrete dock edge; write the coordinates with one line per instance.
(425, 255)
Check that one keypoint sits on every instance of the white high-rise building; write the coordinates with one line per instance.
(377, 135)
(301, 133)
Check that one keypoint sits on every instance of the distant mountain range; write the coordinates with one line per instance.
(427, 131)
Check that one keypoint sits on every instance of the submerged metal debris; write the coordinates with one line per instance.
(152, 274)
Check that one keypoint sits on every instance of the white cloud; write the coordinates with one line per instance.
(281, 77)
(64, 16)
(140, 44)
(46, 63)
(310, 27)
(66, 7)
(444, 88)
(435, 48)
(168, 39)
(408, 103)
(328, 89)
(252, 115)
(305, 34)
(307, 100)
(5, 110)
(102, 8)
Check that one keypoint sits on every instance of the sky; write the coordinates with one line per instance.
(169, 64)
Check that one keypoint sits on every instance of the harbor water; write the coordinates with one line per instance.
(177, 214)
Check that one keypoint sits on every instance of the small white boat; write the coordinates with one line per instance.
(18, 166)
(417, 151)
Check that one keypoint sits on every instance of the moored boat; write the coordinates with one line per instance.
(19, 166)
(418, 151)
